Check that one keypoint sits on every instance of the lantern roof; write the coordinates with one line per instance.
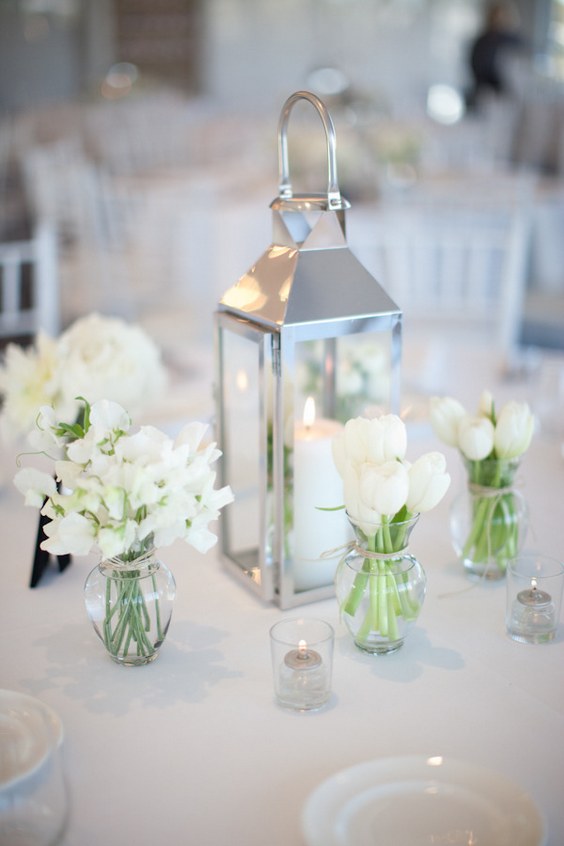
(308, 274)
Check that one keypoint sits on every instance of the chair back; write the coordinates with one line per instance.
(457, 271)
(29, 289)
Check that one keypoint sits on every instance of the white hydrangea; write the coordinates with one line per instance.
(96, 357)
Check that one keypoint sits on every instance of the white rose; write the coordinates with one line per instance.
(104, 357)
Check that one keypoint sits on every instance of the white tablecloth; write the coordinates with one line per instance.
(193, 749)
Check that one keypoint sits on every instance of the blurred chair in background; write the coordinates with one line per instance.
(29, 286)
(458, 274)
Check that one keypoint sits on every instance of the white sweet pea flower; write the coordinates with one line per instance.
(476, 437)
(384, 487)
(72, 534)
(446, 414)
(113, 540)
(514, 430)
(428, 482)
(108, 422)
(43, 437)
(118, 487)
(35, 486)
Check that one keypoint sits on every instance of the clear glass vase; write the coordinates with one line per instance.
(380, 586)
(489, 519)
(130, 605)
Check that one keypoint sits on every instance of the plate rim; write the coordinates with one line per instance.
(416, 766)
(18, 700)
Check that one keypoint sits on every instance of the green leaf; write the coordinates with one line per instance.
(329, 508)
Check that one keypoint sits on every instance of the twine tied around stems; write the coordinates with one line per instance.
(488, 491)
(361, 550)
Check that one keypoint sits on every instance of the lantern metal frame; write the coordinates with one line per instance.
(306, 287)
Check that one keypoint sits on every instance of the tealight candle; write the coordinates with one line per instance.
(317, 485)
(302, 674)
(532, 611)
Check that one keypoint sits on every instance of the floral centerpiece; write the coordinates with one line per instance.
(124, 493)
(97, 356)
(488, 524)
(379, 585)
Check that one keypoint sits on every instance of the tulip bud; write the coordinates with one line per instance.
(428, 482)
(360, 513)
(446, 414)
(514, 430)
(384, 487)
(356, 439)
(486, 406)
(476, 437)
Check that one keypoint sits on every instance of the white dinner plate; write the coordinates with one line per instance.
(29, 733)
(417, 801)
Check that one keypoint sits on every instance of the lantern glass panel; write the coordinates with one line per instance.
(327, 381)
(242, 457)
(347, 376)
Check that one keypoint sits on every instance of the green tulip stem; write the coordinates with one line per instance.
(385, 593)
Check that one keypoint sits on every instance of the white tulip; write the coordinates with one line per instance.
(428, 482)
(339, 455)
(486, 407)
(356, 439)
(475, 437)
(446, 414)
(514, 430)
(392, 440)
(384, 487)
(361, 513)
(374, 440)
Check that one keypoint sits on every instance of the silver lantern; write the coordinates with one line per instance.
(305, 340)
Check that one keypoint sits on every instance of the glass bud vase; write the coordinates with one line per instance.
(130, 605)
(380, 586)
(489, 519)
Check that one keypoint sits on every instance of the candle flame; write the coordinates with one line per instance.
(533, 584)
(242, 380)
(309, 412)
(302, 647)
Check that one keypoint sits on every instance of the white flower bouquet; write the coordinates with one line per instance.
(124, 493)
(491, 446)
(384, 495)
(99, 357)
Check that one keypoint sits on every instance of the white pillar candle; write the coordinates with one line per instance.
(316, 484)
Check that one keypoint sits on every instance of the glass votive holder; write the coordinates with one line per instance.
(302, 662)
(534, 597)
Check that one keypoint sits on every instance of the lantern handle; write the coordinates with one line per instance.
(333, 194)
